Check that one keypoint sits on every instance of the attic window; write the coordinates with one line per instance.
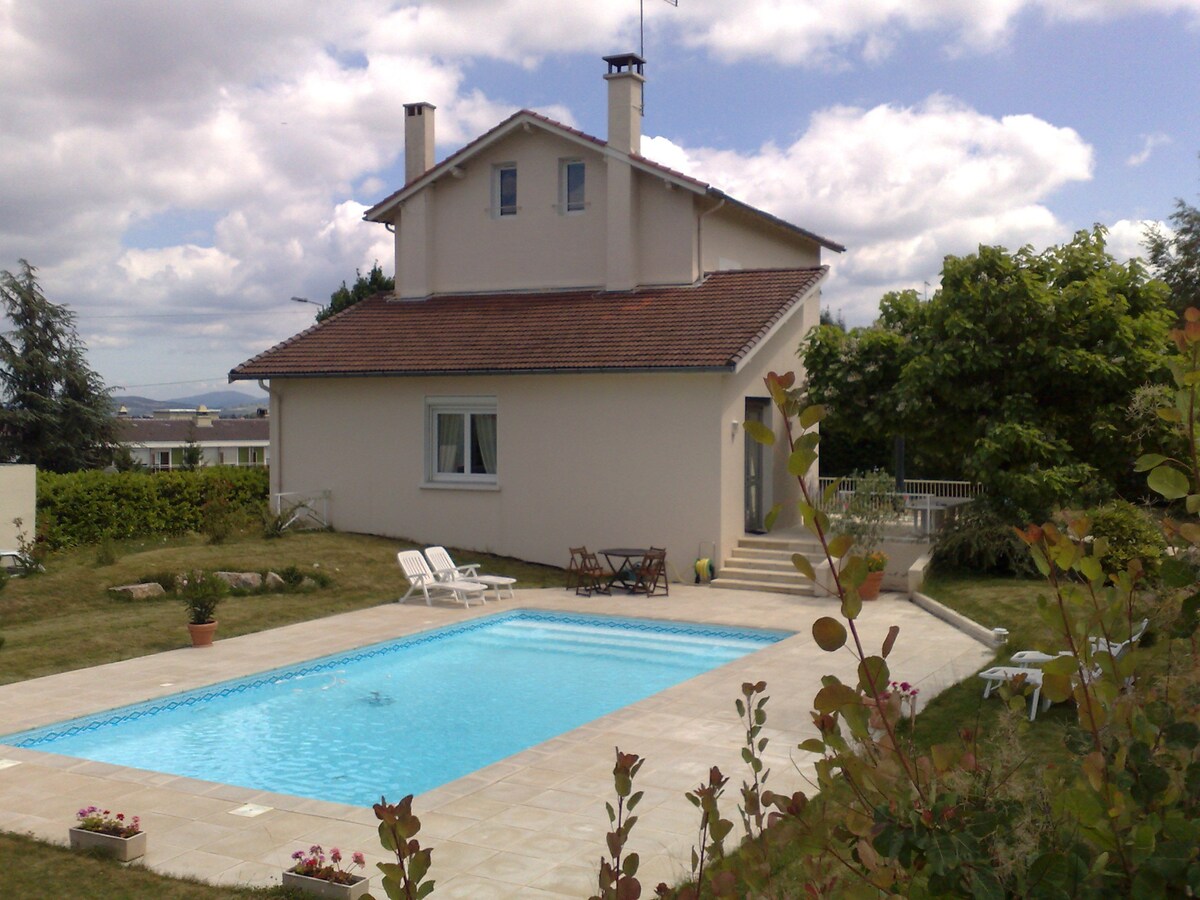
(571, 186)
(504, 189)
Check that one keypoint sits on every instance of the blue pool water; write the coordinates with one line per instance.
(408, 715)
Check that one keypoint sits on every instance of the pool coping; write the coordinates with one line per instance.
(531, 825)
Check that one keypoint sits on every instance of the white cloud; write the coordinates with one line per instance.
(1149, 142)
(833, 33)
(902, 187)
(1127, 237)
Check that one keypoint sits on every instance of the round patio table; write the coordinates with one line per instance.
(624, 574)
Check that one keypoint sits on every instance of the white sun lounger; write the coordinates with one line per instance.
(1030, 658)
(419, 576)
(445, 570)
(998, 675)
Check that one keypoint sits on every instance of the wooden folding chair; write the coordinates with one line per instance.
(575, 567)
(593, 576)
(652, 573)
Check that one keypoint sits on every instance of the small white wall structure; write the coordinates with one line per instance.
(18, 500)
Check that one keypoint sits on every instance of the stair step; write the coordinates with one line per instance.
(786, 553)
(738, 584)
(791, 545)
(757, 573)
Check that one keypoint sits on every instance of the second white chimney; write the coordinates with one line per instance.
(625, 80)
(418, 139)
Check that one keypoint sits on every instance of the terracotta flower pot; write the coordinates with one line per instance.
(202, 635)
(869, 589)
(319, 887)
(120, 848)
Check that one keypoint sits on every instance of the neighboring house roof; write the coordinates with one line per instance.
(711, 325)
(180, 431)
(381, 211)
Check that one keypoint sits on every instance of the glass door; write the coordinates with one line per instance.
(756, 411)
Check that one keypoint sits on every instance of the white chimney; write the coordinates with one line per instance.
(625, 80)
(418, 139)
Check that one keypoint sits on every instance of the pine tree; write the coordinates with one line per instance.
(54, 410)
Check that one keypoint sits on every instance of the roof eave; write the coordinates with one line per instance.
(435, 373)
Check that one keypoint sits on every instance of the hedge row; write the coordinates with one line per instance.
(85, 507)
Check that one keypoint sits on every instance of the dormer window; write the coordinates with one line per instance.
(504, 189)
(571, 186)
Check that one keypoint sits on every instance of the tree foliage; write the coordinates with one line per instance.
(1018, 373)
(54, 410)
(1175, 257)
(374, 282)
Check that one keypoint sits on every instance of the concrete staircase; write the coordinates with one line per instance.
(765, 564)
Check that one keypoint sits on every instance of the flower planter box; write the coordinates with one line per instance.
(319, 887)
(120, 848)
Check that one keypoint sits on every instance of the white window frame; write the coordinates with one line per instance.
(466, 407)
(498, 209)
(564, 203)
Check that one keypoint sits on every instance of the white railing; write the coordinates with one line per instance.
(930, 502)
(926, 487)
(302, 509)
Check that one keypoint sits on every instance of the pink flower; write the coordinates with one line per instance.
(336, 855)
(359, 859)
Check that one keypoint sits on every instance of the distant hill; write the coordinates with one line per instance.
(230, 403)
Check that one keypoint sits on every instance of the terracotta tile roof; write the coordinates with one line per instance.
(711, 325)
(141, 431)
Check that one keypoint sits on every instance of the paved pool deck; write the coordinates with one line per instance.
(529, 826)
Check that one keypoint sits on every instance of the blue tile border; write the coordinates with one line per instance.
(48, 734)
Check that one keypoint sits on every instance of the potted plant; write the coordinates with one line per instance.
(870, 508)
(201, 594)
(313, 875)
(876, 565)
(109, 833)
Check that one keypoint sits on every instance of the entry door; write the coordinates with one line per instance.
(756, 411)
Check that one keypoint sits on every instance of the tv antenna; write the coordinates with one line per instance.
(642, 25)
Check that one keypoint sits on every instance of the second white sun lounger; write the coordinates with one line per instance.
(421, 578)
(444, 570)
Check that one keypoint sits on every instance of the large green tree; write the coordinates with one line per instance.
(1018, 372)
(1175, 256)
(374, 282)
(54, 411)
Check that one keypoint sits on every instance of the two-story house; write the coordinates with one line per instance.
(576, 335)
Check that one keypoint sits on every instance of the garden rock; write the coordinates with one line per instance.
(138, 591)
(238, 580)
(274, 582)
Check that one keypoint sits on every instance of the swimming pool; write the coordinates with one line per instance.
(407, 715)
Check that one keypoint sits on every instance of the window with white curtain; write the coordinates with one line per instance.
(460, 439)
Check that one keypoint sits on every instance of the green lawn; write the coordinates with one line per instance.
(66, 619)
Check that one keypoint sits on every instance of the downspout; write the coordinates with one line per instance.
(700, 239)
(276, 465)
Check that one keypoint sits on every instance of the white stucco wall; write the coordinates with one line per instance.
(18, 500)
(601, 460)
(731, 235)
(638, 228)
(777, 354)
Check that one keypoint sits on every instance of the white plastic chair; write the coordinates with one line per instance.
(1032, 658)
(419, 576)
(445, 570)
(998, 675)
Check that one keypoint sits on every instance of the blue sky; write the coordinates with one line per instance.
(177, 175)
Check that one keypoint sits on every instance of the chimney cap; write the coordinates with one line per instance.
(620, 62)
(416, 109)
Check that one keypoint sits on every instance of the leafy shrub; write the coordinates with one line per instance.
(201, 595)
(983, 541)
(84, 507)
(1131, 534)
